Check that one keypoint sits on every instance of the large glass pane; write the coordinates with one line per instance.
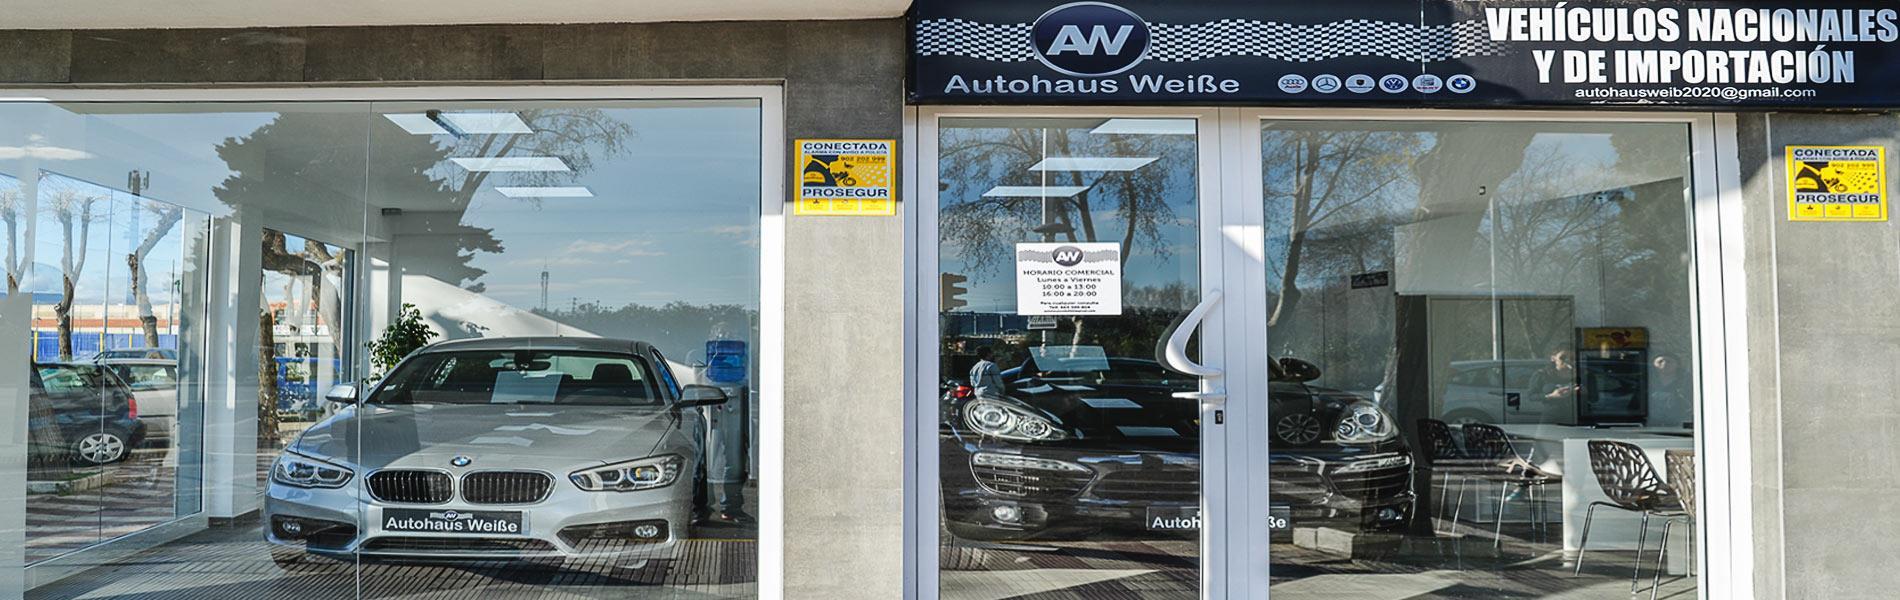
(1482, 341)
(1067, 465)
(200, 285)
(590, 271)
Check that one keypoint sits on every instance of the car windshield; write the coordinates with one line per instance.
(69, 378)
(522, 377)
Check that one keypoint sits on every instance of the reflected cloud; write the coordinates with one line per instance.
(42, 153)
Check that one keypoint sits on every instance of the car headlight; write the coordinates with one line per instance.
(630, 476)
(1000, 420)
(297, 470)
(1364, 423)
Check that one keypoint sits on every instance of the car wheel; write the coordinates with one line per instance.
(100, 448)
(294, 560)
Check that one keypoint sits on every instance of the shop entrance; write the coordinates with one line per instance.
(1233, 353)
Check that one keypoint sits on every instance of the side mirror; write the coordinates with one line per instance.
(702, 395)
(342, 393)
(1299, 370)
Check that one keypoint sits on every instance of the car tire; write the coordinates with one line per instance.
(101, 448)
(295, 560)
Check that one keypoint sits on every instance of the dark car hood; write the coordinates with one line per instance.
(1149, 417)
(537, 434)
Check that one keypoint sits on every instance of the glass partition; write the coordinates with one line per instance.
(1502, 314)
(335, 349)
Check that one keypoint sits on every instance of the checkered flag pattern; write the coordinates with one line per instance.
(1234, 37)
(958, 37)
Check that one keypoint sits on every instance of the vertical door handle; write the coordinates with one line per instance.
(1176, 351)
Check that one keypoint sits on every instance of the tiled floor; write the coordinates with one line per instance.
(233, 562)
(1432, 568)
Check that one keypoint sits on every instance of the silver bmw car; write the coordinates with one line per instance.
(497, 448)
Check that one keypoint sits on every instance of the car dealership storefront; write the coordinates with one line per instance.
(1409, 299)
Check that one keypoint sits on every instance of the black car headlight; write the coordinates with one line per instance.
(1364, 423)
(1000, 420)
(630, 476)
(297, 470)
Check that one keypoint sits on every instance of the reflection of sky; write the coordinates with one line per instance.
(1171, 259)
(120, 221)
(673, 218)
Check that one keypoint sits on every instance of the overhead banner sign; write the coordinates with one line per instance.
(846, 178)
(1069, 279)
(1837, 183)
(1707, 53)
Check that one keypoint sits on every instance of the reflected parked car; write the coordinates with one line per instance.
(137, 353)
(1497, 391)
(155, 381)
(83, 413)
(1075, 448)
(500, 448)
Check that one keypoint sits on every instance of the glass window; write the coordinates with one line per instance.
(216, 298)
(1501, 313)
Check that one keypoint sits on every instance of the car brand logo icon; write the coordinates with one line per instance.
(448, 514)
(1393, 84)
(1292, 83)
(1428, 83)
(1359, 84)
(1068, 256)
(1090, 39)
(1461, 83)
(1326, 84)
(460, 461)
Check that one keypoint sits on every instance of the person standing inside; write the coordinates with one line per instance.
(986, 378)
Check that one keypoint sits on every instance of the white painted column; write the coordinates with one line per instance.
(231, 367)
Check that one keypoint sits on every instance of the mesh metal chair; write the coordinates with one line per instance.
(1631, 484)
(1444, 458)
(1510, 469)
(1681, 467)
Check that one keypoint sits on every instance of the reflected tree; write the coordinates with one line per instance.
(12, 203)
(166, 218)
(74, 209)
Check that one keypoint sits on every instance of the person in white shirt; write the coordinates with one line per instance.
(986, 379)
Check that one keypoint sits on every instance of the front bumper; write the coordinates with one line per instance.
(569, 523)
(1128, 490)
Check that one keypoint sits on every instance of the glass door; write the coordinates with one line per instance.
(1242, 354)
(1073, 260)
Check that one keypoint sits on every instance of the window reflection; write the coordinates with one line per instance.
(1516, 296)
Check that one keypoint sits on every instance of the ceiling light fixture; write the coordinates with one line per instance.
(1146, 127)
(1092, 163)
(511, 163)
(417, 123)
(570, 191)
(484, 122)
(1034, 191)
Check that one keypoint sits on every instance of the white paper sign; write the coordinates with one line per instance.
(1069, 279)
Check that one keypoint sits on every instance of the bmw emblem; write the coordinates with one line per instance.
(460, 461)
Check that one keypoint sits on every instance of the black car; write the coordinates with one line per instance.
(1073, 448)
(81, 413)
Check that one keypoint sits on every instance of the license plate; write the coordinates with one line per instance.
(1174, 518)
(1279, 518)
(473, 522)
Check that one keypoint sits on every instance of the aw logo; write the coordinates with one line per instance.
(1068, 256)
(1090, 39)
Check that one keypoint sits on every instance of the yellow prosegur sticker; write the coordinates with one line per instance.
(846, 178)
(1837, 183)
